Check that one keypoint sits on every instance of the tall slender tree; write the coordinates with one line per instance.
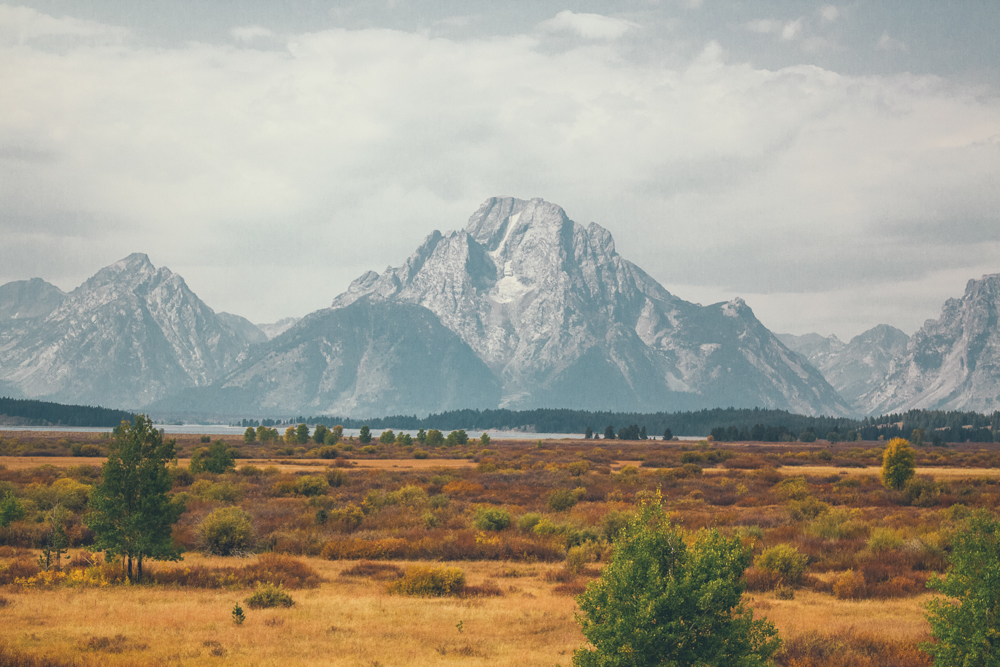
(130, 512)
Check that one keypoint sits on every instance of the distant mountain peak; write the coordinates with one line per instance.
(563, 320)
(950, 363)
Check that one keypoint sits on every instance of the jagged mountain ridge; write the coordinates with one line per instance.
(129, 335)
(371, 357)
(564, 321)
(23, 299)
(951, 363)
(855, 368)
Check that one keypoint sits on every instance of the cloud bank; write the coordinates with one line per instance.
(272, 170)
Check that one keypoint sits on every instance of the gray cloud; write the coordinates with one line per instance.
(273, 168)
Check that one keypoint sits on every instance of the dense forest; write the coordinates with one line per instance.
(28, 412)
(724, 424)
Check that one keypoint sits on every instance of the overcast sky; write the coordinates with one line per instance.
(836, 165)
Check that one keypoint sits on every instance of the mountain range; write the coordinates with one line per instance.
(522, 308)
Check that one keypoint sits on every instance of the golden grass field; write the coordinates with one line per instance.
(354, 622)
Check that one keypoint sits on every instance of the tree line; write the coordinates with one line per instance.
(724, 424)
(43, 413)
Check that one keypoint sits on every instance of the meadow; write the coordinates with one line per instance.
(527, 523)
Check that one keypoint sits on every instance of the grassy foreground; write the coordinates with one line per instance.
(354, 621)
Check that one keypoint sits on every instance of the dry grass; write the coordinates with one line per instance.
(352, 620)
(28, 462)
(936, 473)
(808, 611)
(347, 621)
(282, 464)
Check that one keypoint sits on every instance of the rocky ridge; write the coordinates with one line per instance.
(855, 368)
(951, 363)
(563, 321)
(129, 335)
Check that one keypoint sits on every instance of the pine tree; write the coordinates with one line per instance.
(130, 512)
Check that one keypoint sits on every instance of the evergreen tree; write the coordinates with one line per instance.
(365, 435)
(130, 512)
(662, 601)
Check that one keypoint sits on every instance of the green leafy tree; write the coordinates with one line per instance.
(484, 439)
(898, 464)
(387, 437)
(319, 434)
(249, 435)
(130, 512)
(668, 434)
(216, 459)
(421, 436)
(11, 510)
(301, 434)
(290, 437)
(967, 633)
(365, 435)
(662, 602)
(609, 432)
(434, 438)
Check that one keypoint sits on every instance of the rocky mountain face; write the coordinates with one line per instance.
(856, 368)
(243, 328)
(561, 320)
(952, 363)
(129, 335)
(275, 329)
(371, 357)
(23, 299)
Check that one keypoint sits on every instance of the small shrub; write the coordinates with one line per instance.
(427, 581)
(528, 521)
(311, 485)
(238, 616)
(807, 508)
(491, 518)
(420, 454)
(783, 560)
(561, 500)
(613, 522)
(226, 531)
(850, 586)
(337, 477)
(784, 592)
(269, 596)
(884, 539)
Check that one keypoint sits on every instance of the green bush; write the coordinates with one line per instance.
(561, 500)
(613, 522)
(783, 560)
(226, 531)
(807, 508)
(528, 521)
(337, 477)
(884, 539)
(420, 454)
(660, 601)
(491, 518)
(428, 581)
(311, 485)
(269, 596)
